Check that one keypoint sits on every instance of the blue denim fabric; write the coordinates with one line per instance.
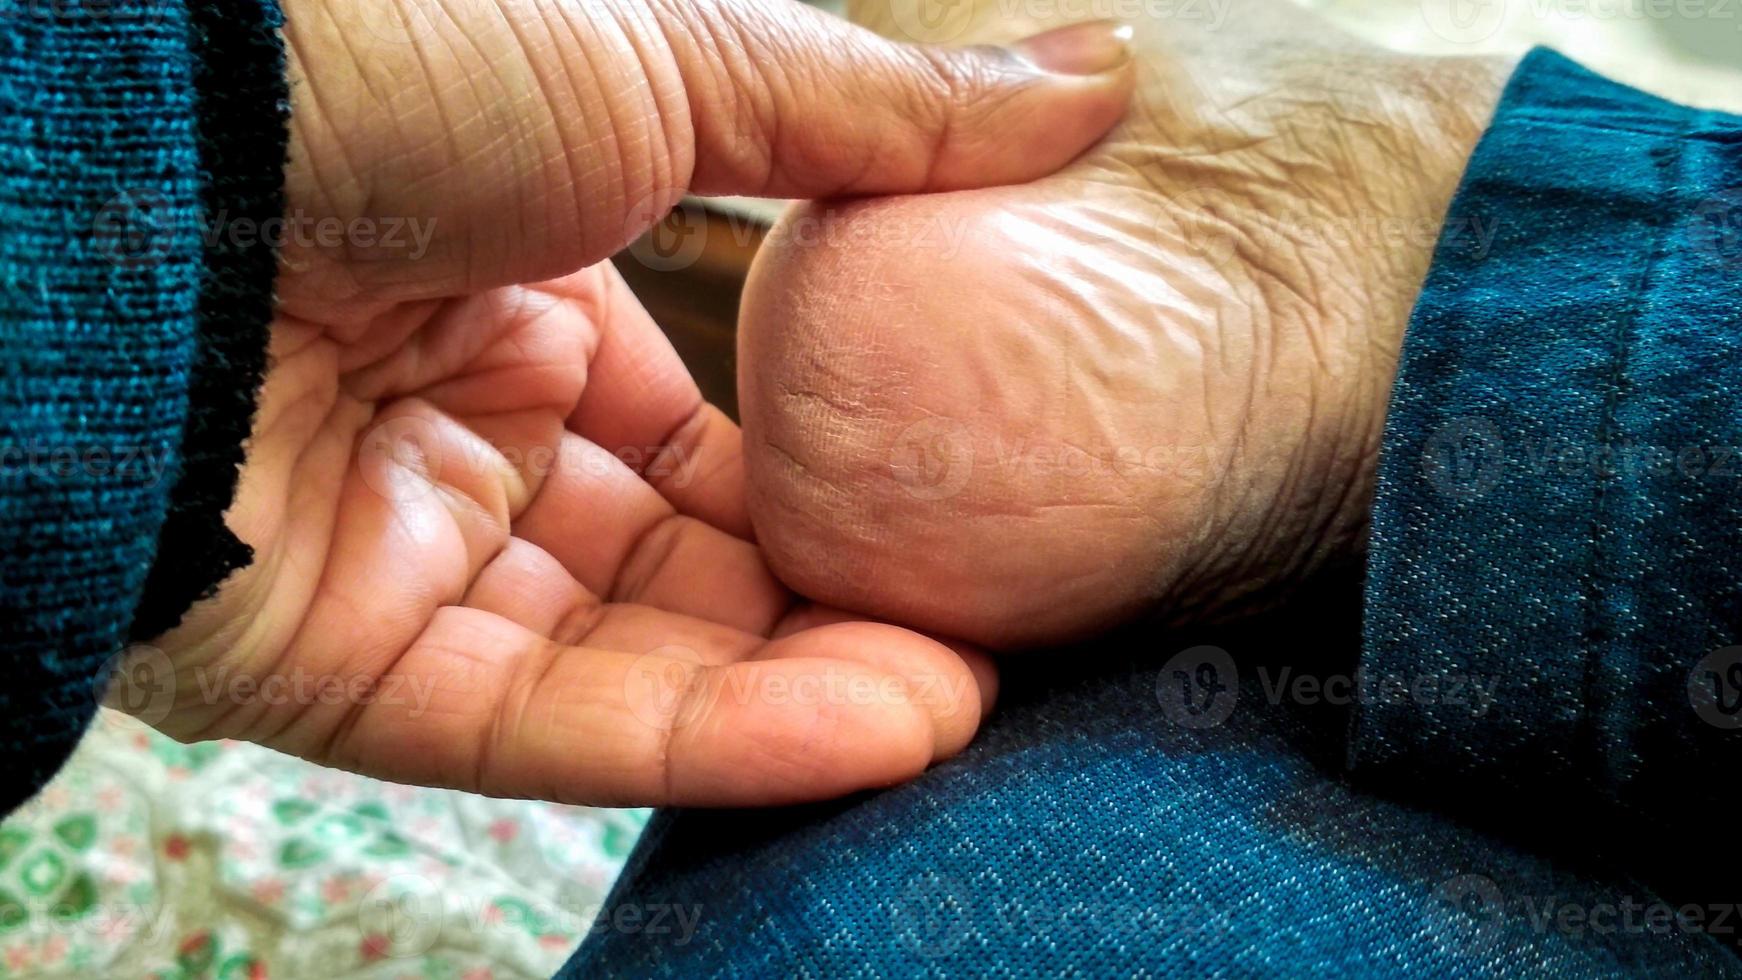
(1560, 504)
(1155, 806)
(1095, 828)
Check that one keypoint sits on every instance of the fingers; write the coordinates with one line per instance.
(503, 711)
(957, 682)
(810, 615)
(641, 404)
(786, 101)
(622, 540)
(527, 585)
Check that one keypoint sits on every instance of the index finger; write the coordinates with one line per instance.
(641, 404)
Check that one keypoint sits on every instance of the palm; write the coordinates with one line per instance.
(506, 535)
(456, 582)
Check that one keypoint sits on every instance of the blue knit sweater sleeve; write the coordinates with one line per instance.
(131, 338)
(1554, 594)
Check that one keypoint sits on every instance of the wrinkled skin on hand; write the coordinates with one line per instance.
(501, 543)
(1152, 383)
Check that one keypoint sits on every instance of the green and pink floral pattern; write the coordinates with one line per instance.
(226, 861)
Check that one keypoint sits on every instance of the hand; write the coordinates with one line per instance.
(1152, 383)
(501, 543)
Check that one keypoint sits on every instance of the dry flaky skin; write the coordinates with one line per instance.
(1155, 380)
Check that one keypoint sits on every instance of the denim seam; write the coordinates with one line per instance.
(1603, 529)
(1676, 135)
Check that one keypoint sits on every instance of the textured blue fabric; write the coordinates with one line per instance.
(1180, 811)
(120, 329)
(1560, 503)
(1089, 831)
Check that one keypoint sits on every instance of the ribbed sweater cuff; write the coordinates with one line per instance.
(132, 332)
(239, 81)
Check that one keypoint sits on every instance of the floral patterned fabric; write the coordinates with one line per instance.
(221, 860)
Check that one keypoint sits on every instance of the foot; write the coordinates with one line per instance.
(1153, 383)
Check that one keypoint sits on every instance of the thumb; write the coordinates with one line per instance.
(506, 141)
(786, 101)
